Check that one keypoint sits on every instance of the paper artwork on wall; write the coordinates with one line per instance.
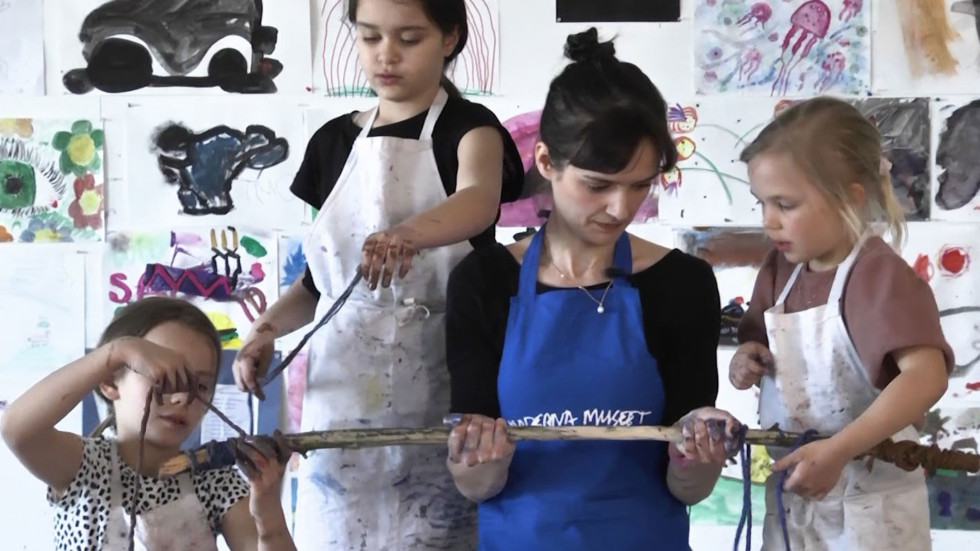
(51, 180)
(21, 48)
(786, 48)
(337, 72)
(212, 164)
(228, 272)
(160, 46)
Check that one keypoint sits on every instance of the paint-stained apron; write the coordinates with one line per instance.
(181, 525)
(380, 362)
(565, 363)
(820, 383)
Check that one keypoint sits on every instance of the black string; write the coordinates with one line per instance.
(334, 308)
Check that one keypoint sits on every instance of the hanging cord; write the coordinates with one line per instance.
(746, 457)
(334, 308)
(280, 449)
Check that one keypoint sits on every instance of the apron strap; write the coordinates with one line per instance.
(430, 119)
(527, 287)
(789, 285)
(115, 479)
(837, 289)
(434, 111)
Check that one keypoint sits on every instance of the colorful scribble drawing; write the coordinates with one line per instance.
(905, 133)
(50, 181)
(710, 184)
(179, 36)
(782, 48)
(957, 158)
(474, 71)
(205, 165)
(224, 271)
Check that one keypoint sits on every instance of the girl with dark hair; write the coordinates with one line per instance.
(171, 346)
(584, 324)
(409, 187)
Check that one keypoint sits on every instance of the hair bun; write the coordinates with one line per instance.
(585, 46)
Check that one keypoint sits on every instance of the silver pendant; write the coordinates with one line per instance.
(600, 309)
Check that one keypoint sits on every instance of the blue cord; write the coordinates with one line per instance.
(746, 457)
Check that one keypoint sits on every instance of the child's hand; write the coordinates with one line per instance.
(263, 459)
(478, 439)
(253, 359)
(708, 435)
(167, 368)
(815, 468)
(381, 253)
(751, 361)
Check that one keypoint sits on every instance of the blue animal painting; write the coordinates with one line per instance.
(205, 165)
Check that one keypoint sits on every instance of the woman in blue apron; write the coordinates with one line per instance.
(412, 184)
(584, 324)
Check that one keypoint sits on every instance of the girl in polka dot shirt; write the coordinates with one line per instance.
(171, 346)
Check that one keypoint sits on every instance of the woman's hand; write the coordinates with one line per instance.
(709, 436)
(478, 439)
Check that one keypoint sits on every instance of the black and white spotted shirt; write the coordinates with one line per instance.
(82, 511)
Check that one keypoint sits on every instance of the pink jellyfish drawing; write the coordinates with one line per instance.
(759, 13)
(831, 69)
(811, 20)
(748, 63)
(850, 9)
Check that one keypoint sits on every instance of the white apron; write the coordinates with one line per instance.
(380, 362)
(819, 383)
(181, 525)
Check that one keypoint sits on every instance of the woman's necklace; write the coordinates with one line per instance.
(600, 308)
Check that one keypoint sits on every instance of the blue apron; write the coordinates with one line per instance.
(564, 363)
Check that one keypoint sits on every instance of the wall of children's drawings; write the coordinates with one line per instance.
(147, 148)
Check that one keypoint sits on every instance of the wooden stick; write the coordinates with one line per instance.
(907, 455)
(370, 438)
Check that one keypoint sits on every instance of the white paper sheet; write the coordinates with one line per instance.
(21, 48)
(234, 404)
(42, 317)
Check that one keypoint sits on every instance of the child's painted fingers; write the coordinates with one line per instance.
(487, 432)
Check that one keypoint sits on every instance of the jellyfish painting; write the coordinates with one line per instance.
(759, 13)
(782, 48)
(811, 20)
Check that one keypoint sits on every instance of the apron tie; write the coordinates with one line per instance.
(746, 459)
(409, 311)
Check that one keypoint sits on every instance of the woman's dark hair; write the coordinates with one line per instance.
(449, 16)
(139, 318)
(599, 109)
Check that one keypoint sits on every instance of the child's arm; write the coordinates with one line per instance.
(467, 212)
(921, 383)
(259, 523)
(54, 456)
